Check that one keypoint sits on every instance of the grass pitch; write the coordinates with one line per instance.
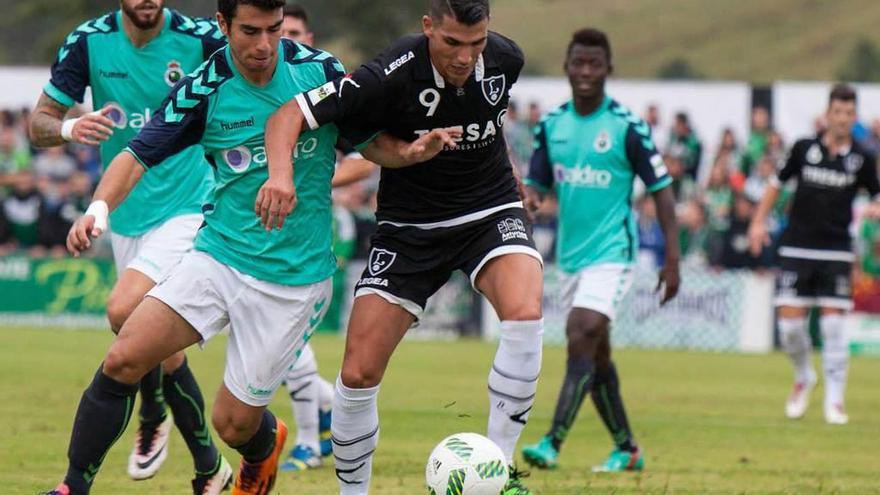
(709, 423)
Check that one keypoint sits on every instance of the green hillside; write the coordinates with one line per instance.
(753, 40)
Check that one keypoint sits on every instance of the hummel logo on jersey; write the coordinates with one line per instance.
(493, 88)
(239, 124)
(380, 260)
(827, 177)
(393, 66)
(582, 176)
(109, 74)
(512, 228)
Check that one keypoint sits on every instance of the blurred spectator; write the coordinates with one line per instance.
(756, 146)
(55, 164)
(717, 200)
(776, 149)
(12, 158)
(757, 182)
(692, 232)
(27, 223)
(684, 144)
(534, 114)
(735, 253)
(683, 185)
(728, 147)
(518, 135)
(872, 141)
(652, 117)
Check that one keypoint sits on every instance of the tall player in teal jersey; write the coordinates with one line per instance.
(590, 150)
(270, 287)
(131, 58)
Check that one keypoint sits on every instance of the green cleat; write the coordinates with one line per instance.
(542, 455)
(621, 460)
(514, 484)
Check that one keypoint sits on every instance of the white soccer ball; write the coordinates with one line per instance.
(466, 464)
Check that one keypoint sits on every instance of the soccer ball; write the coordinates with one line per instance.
(466, 464)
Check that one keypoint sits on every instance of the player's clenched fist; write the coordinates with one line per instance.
(275, 201)
(92, 224)
(91, 129)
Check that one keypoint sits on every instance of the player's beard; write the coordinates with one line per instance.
(136, 18)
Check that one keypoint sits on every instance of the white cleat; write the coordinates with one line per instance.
(835, 415)
(213, 485)
(150, 450)
(799, 400)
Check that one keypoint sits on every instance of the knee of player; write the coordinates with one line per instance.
(118, 310)
(122, 365)
(528, 310)
(360, 376)
(235, 429)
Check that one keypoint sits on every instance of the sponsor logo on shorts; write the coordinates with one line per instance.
(259, 392)
(380, 260)
(373, 281)
(512, 228)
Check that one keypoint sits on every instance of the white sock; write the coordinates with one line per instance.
(302, 385)
(513, 381)
(835, 357)
(325, 394)
(795, 341)
(355, 436)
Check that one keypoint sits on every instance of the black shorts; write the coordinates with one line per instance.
(808, 282)
(408, 264)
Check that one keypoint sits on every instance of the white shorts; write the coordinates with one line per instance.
(268, 323)
(155, 252)
(598, 287)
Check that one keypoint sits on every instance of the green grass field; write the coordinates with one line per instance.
(709, 423)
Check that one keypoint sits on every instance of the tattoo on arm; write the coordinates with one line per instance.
(45, 125)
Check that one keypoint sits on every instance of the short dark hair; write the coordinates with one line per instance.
(590, 37)
(227, 8)
(297, 11)
(842, 92)
(468, 12)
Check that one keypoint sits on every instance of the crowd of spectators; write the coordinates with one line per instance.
(42, 191)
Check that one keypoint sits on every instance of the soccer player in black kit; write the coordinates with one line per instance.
(460, 210)
(815, 251)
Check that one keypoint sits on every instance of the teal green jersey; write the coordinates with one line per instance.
(133, 82)
(591, 162)
(218, 108)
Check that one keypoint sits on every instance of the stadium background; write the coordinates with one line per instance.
(758, 69)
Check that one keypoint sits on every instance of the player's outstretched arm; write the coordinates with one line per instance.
(758, 236)
(351, 170)
(391, 152)
(119, 179)
(670, 277)
(277, 197)
(48, 128)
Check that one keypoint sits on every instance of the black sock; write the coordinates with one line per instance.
(260, 446)
(103, 414)
(152, 399)
(575, 387)
(609, 403)
(188, 408)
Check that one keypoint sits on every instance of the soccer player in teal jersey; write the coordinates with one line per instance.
(589, 150)
(270, 287)
(131, 58)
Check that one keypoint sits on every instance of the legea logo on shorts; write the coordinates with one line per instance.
(512, 228)
(585, 176)
(380, 260)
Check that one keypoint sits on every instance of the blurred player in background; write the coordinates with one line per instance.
(589, 151)
(131, 58)
(458, 211)
(815, 250)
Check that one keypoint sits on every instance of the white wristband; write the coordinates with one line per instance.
(100, 211)
(67, 129)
